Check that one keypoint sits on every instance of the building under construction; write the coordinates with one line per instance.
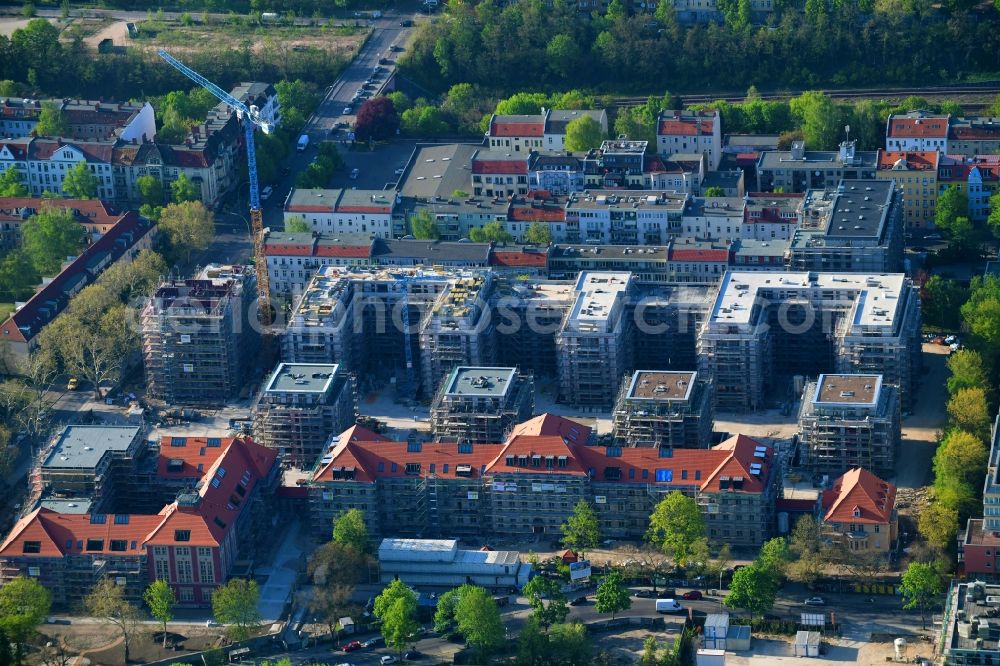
(849, 421)
(528, 316)
(765, 328)
(664, 409)
(481, 405)
(321, 328)
(594, 345)
(458, 330)
(198, 340)
(301, 406)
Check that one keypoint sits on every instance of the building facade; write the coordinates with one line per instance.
(915, 175)
(664, 410)
(691, 132)
(481, 405)
(859, 514)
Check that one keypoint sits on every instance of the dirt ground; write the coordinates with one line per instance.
(180, 39)
(101, 644)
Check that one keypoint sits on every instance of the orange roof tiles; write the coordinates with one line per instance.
(686, 123)
(537, 213)
(859, 497)
(499, 166)
(502, 128)
(918, 128)
(517, 259)
(916, 160)
(59, 534)
(196, 455)
(550, 424)
(346, 251)
(698, 254)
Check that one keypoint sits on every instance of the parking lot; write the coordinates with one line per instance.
(376, 167)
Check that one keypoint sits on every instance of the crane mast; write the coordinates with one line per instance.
(251, 118)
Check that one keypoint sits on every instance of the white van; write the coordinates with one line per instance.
(668, 606)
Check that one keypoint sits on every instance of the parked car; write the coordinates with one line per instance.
(406, 23)
(645, 594)
(932, 237)
(815, 601)
(378, 641)
(352, 646)
(387, 659)
(266, 193)
(73, 384)
(691, 595)
(412, 655)
(346, 111)
(579, 601)
(951, 339)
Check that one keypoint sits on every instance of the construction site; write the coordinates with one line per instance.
(481, 405)
(821, 323)
(301, 406)
(849, 421)
(664, 409)
(198, 343)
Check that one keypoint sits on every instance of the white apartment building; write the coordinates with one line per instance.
(343, 211)
(691, 132)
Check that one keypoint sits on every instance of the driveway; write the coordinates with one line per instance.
(280, 584)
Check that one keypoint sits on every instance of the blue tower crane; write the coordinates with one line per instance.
(250, 115)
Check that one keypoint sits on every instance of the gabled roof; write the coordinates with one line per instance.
(918, 126)
(189, 457)
(859, 492)
(519, 258)
(913, 160)
(355, 433)
(687, 123)
(86, 211)
(532, 447)
(551, 425)
(513, 126)
(60, 534)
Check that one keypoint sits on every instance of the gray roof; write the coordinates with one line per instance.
(73, 505)
(615, 252)
(816, 159)
(302, 378)
(558, 119)
(430, 252)
(756, 248)
(473, 381)
(439, 171)
(82, 446)
(752, 140)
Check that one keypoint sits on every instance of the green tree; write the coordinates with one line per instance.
(968, 411)
(982, 313)
(80, 182)
(18, 276)
(51, 121)
(107, 601)
(774, 557)
(396, 607)
(235, 605)
(941, 301)
(819, 117)
(564, 55)
(811, 556)
(938, 524)
(159, 596)
(582, 530)
(297, 225)
(11, 184)
(424, 226)
(994, 219)
(611, 596)
(753, 589)
(569, 645)
(714, 191)
(538, 234)
(184, 189)
(444, 613)
(952, 204)
(583, 133)
(921, 584)
(649, 657)
(150, 190)
(547, 601)
(24, 605)
(675, 525)
(491, 232)
(967, 370)
(478, 620)
(187, 226)
(49, 236)
(349, 529)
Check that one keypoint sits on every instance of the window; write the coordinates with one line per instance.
(31, 547)
(214, 442)
(185, 594)
(119, 545)
(614, 451)
(121, 519)
(95, 544)
(218, 521)
(394, 467)
(413, 468)
(98, 519)
(206, 571)
(444, 468)
(413, 447)
(184, 571)
(381, 467)
(162, 569)
(182, 535)
(222, 472)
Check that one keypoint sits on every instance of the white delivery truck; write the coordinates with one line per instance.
(668, 606)
(303, 143)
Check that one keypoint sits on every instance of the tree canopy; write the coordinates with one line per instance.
(582, 530)
(920, 586)
(675, 525)
(478, 620)
(50, 236)
(187, 226)
(396, 607)
(376, 119)
(235, 605)
(24, 605)
(611, 596)
(349, 529)
(80, 182)
(583, 133)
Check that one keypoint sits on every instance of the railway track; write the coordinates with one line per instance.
(984, 88)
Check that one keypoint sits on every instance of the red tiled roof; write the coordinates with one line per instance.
(345, 251)
(194, 452)
(528, 446)
(499, 166)
(62, 534)
(550, 424)
(859, 491)
(517, 259)
(698, 254)
(305, 208)
(515, 129)
(918, 128)
(916, 160)
(537, 214)
(377, 210)
(686, 123)
(86, 211)
(977, 131)
(287, 249)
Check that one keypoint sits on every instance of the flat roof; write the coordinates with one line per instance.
(431, 251)
(83, 446)
(479, 381)
(598, 292)
(79, 505)
(439, 170)
(877, 297)
(611, 252)
(633, 199)
(847, 389)
(302, 378)
(816, 159)
(658, 385)
(853, 209)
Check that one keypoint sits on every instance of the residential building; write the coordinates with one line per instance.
(516, 133)
(977, 177)
(915, 175)
(771, 216)
(798, 169)
(198, 338)
(192, 543)
(88, 120)
(556, 173)
(917, 131)
(294, 258)
(604, 217)
(121, 243)
(974, 136)
(524, 260)
(43, 163)
(441, 563)
(499, 175)
(97, 217)
(594, 343)
(979, 546)
(849, 421)
(530, 484)
(532, 312)
(758, 255)
(848, 323)
(481, 405)
(343, 211)
(732, 182)
(407, 252)
(859, 514)
(301, 406)
(967, 634)
(321, 327)
(697, 261)
(856, 227)
(664, 409)
(554, 131)
(691, 131)
(262, 95)
(717, 218)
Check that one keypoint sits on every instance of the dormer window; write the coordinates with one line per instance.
(857, 512)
